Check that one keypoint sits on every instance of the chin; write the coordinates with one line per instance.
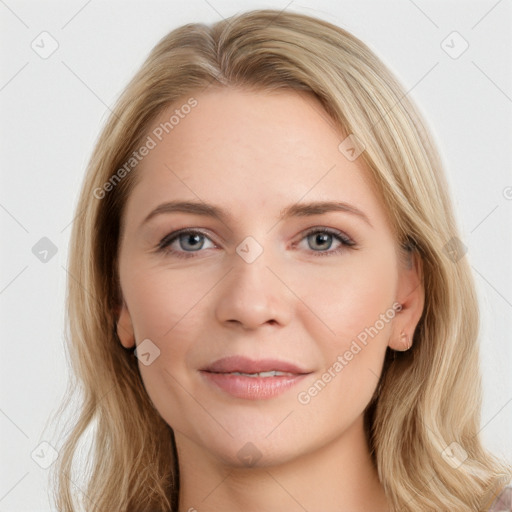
(254, 454)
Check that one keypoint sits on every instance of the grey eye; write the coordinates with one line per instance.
(195, 241)
(320, 240)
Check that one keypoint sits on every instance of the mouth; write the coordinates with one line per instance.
(249, 379)
(271, 373)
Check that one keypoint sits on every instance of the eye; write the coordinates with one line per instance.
(187, 241)
(320, 240)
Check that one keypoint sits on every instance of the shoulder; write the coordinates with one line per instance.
(503, 502)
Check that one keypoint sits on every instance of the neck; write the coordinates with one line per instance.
(339, 476)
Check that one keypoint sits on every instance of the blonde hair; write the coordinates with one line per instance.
(427, 399)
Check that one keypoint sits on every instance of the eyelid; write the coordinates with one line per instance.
(332, 231)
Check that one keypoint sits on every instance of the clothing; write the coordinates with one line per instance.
(503, 502)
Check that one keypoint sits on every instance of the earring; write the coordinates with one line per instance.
(404, 339)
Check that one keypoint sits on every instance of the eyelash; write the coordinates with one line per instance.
(346, 242)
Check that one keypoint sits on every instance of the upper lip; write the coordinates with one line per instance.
(243, 364)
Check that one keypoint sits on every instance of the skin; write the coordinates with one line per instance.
(254, 153)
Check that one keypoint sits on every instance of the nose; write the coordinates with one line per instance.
(254, 294)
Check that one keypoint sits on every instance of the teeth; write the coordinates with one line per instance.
(272, 373)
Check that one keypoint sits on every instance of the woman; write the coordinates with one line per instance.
(270, 308)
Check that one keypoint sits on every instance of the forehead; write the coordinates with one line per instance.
(248, 150)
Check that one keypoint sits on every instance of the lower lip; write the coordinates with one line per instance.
(253, 388)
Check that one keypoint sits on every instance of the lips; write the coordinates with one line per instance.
(250, 379)
(243, 364)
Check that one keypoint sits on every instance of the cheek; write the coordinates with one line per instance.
(351, 296)
(162, 301)
(167, 307)
(359, 309)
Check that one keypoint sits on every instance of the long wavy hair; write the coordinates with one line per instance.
(425, 413)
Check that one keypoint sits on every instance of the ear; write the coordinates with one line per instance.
(411, 295)
(124, 326)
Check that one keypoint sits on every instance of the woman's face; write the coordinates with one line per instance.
(270, 280)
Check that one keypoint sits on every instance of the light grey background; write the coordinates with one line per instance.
(52, 110)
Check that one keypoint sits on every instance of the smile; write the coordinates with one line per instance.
(248, 379)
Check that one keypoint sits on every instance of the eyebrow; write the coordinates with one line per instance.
(294, 210)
